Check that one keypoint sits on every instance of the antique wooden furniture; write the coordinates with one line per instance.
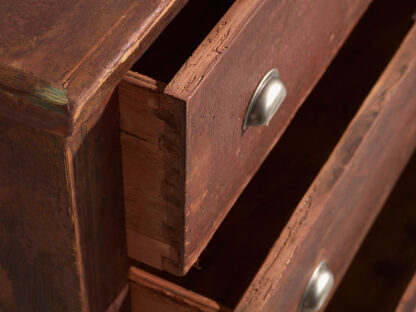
(134, 137)
(62, 237)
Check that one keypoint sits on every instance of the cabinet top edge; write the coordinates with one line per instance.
(60, 59)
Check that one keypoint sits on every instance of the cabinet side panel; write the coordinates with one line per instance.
(38, 263)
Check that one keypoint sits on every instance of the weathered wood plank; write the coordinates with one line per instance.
(94, 155)
(150, 293)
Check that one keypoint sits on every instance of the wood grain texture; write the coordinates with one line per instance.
(215, 86)
(150, 293)
(38, 263)
(153, 172)
(94, 153)
(62, 238)
(408, 301)
(59, 60)
(336, 212)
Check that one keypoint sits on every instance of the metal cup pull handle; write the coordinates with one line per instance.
(267, 98)
(318, 289)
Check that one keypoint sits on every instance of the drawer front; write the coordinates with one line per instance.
(340, 206)
(204, 106)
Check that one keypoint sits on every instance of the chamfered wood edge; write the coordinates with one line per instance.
(165, 289)
(120, 301)
(94, 176)
(408, 300)
(366, 123)
(60, 107)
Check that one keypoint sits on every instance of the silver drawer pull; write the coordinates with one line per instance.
(267, 98)
(318, 289)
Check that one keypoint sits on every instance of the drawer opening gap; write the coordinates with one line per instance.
(180, 39)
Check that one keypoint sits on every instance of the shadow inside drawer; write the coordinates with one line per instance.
(239, 247)
(180, 38)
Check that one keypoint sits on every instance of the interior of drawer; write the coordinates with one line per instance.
(180, 39)
(386, 261)
(238, 249)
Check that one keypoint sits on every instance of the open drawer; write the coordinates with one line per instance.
(186, 157)
(264, 253)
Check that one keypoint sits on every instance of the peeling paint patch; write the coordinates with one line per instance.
(21, 102)
(54, 95)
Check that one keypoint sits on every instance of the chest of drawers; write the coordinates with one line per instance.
(132, 133)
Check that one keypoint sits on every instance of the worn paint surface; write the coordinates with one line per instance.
(62, 233)
(62, 239)
(75, 51)
(38, 267)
